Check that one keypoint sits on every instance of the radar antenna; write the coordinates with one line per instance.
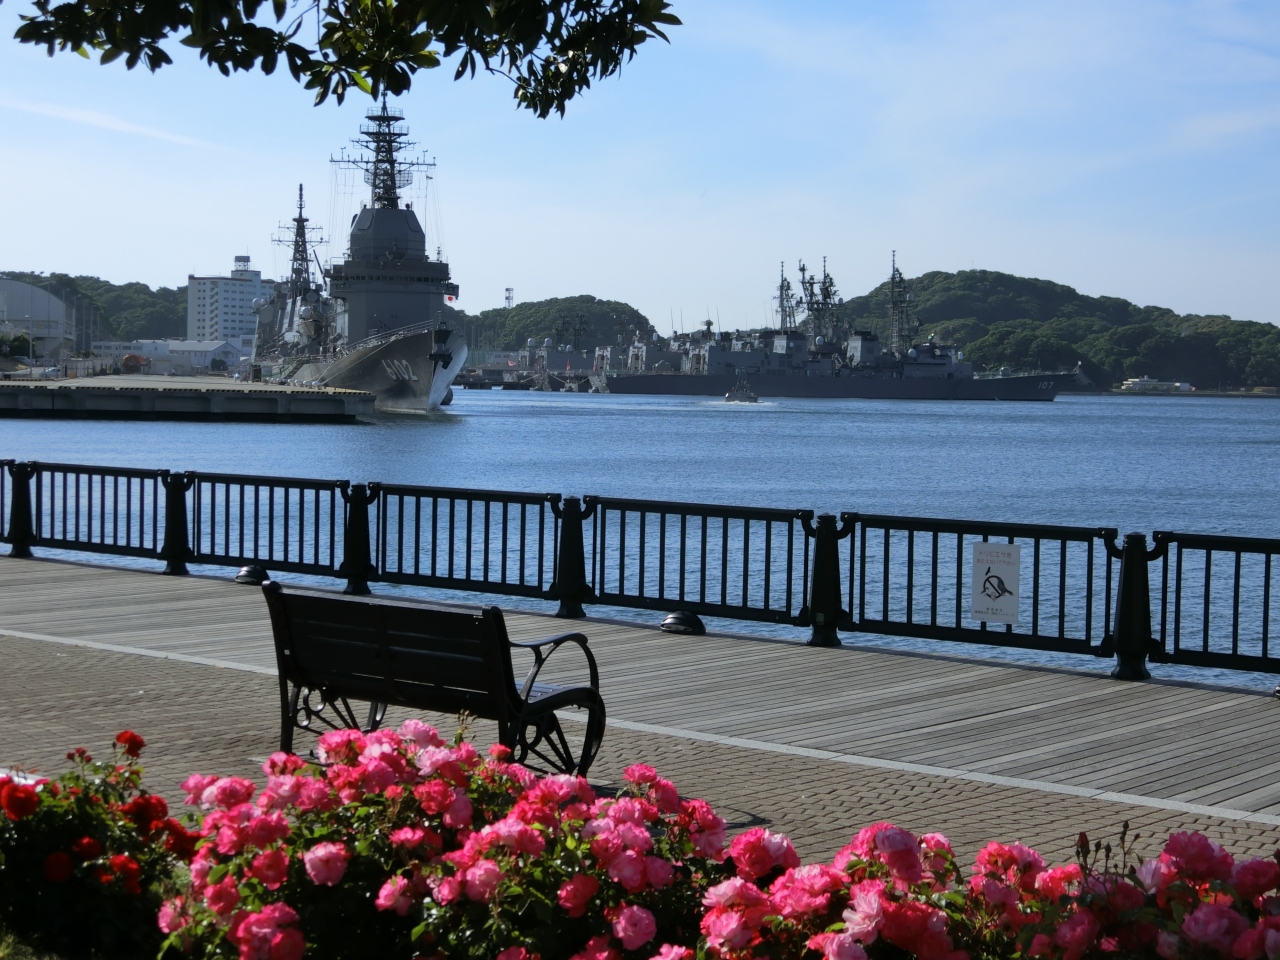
(385, 172)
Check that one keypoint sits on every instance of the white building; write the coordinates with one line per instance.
(221, 308)
(28, 311)
(179, 357)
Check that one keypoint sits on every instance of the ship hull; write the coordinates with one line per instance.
(1039, 387)
(403, 374)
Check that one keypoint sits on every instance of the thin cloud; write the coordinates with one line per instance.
(104, 121)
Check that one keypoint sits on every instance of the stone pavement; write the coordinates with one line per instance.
(197, 717)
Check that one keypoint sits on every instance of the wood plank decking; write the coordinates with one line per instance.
(1179, 747)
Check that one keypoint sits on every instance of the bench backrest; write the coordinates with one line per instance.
(393, 651)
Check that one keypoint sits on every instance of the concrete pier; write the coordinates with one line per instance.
(139, 397)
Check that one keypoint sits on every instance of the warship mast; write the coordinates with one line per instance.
(381, 141)
(786, 303)
(899, 310)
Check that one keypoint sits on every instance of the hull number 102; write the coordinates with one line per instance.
(399, 370)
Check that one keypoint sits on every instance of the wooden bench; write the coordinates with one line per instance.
(332, 649)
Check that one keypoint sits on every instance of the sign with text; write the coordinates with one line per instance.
(996, 569)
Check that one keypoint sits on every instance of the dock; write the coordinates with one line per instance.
(141, 397)
(814, 742)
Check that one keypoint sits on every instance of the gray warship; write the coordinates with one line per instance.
(380, 327)
(816, 356)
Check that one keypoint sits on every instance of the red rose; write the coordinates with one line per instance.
(180, 841)
(87, 848)
(131, 742)
(58, 867)
(147, 812)
(128, 870)
(18, 800)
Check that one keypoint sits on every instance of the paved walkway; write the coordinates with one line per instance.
(812, 742)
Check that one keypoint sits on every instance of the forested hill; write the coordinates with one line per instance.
(1003, 320)
(582, 321)
(127, 311)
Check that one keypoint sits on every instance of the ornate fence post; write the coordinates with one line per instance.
(176, 550)
(1130, 638)
(823, 610)
(21, 531)
(357, 558)
(570, 586)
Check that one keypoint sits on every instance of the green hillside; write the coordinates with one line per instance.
(128, 311)
(582, 321)
(1003, 320)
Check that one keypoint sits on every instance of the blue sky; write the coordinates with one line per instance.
(1127, 149)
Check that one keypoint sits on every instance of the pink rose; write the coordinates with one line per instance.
(422, 734)
(628, 869)
(267, 829)
(640, 773)
(172, 916)
(1168, 945)
(634, 926)
(864, 916)
(576, 893)
(195, 786)
(223, 896)
(727, 928)
(758, 852)
(658, 872)
(671, 952)
(1056, 882)
(446, 890)
(271, 868)
(1253, 878)
(458, 814)
(232, 791)
(1197, 857)
(900, 851)
(394, 895)
(326, 863)
(806, 890)
(1214, 926)
(1076, 934)
(512, 953)
(597, 948)
(837, 946)
(340, 746)
(482, 880)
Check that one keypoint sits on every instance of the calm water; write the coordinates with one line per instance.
(1191, 464)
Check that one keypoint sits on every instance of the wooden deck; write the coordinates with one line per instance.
(1163, 745)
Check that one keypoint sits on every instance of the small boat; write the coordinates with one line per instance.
(741, 392)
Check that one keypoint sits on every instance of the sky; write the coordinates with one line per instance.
(1125, 149)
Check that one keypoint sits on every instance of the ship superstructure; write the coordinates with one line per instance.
(812, 352)
(381, 325)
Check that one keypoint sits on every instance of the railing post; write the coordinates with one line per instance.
(823, 610)
(357, 558)
(21, 531)
(570, 586)
(1130, 638)
(176, 550)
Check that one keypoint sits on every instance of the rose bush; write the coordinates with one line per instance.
(398, 844)
(83, 857)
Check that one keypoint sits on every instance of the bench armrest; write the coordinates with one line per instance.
(542, 650)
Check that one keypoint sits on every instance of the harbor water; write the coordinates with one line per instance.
(1191, 464)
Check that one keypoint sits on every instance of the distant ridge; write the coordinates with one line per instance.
(1002, 320)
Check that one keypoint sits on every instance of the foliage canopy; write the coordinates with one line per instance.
(582, 321)
(551, 50)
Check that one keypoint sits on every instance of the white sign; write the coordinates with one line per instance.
(995, 581)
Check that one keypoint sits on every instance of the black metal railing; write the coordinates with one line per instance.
(487, 541)
(279, 523)
(1216, 599)
(743, 563)
(874, 574)
(912, 576)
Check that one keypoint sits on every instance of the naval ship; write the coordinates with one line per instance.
(814, 357)
(379, 326)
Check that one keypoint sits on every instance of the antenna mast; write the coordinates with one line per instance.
(786, 302)
(302, 242)
(385, 172)
(900, 327)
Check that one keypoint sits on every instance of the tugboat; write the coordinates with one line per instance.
(380, 327)
(741, 392)
(818, 356)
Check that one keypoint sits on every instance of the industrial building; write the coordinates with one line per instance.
(221, 308)
(29, 311)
